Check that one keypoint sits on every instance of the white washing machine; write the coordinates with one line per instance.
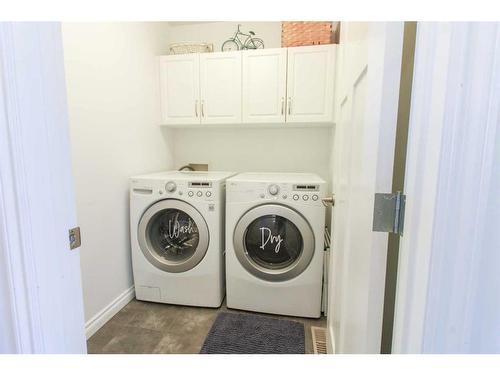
(177, 237)
(274, 243)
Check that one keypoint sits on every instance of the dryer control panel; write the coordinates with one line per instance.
(310, 194)
(306, 192)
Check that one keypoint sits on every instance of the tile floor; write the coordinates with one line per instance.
(145, 327)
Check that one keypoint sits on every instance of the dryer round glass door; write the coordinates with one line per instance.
(273, 242)
(173, 235)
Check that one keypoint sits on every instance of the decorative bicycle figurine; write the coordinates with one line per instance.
(235, 43)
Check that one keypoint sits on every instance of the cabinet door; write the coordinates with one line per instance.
(310, 83)
(220, 74)
(264, 85)
(180, 89)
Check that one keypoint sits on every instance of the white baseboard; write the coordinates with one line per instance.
(99, 319)
(330, 340)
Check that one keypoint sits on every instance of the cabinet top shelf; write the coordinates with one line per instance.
(283, 125)
(257, 51)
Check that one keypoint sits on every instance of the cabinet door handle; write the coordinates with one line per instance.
(289, 105)
(202, 111)
(282, 106)
(196, 107)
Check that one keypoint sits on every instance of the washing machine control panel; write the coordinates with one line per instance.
(195, 190)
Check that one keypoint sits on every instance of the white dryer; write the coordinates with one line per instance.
(177, 237)
(274, 243)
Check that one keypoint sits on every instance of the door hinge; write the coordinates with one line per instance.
(389, 212)
(74, 238)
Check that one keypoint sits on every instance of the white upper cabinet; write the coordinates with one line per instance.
(220, 77)
(264, 85)
(267, 86)
(310, 83)
(180, 89)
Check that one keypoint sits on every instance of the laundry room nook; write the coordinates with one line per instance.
(253, 123)
(216, 166)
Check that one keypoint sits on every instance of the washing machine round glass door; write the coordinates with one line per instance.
(173, 235)
(273, 242)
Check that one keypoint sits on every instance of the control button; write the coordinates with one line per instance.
(170, 186)
(180, 193)
(273, 189)
(208, 193)
(199, 193)
(262, 195)
(315, 197)
(295, 197)
(305, 197)
(160, 192)
(285, 196)
(190, 193)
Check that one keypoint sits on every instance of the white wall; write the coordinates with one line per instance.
(113, 98)
(257, 150)
(218, 32)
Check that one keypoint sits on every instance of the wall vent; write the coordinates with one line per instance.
(319, 340)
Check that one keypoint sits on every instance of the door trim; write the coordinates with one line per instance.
(424, 145)
(450, 159)
(398, 177)
(22, 315)
(283, 274)
(146, 246)
(38, 313)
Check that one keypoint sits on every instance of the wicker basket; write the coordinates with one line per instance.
(190, 47)
(295, 34)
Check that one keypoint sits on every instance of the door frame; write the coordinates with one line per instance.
(446, 69)
(422, 164)
(42, 302)
(405, 88)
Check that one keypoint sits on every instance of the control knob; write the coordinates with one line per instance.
(273, 189)
(170, 186)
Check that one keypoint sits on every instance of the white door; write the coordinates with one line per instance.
(42, 306)
(264, 85)
(180, 89)
(310, 83)
(220, 74)
(367, 104)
